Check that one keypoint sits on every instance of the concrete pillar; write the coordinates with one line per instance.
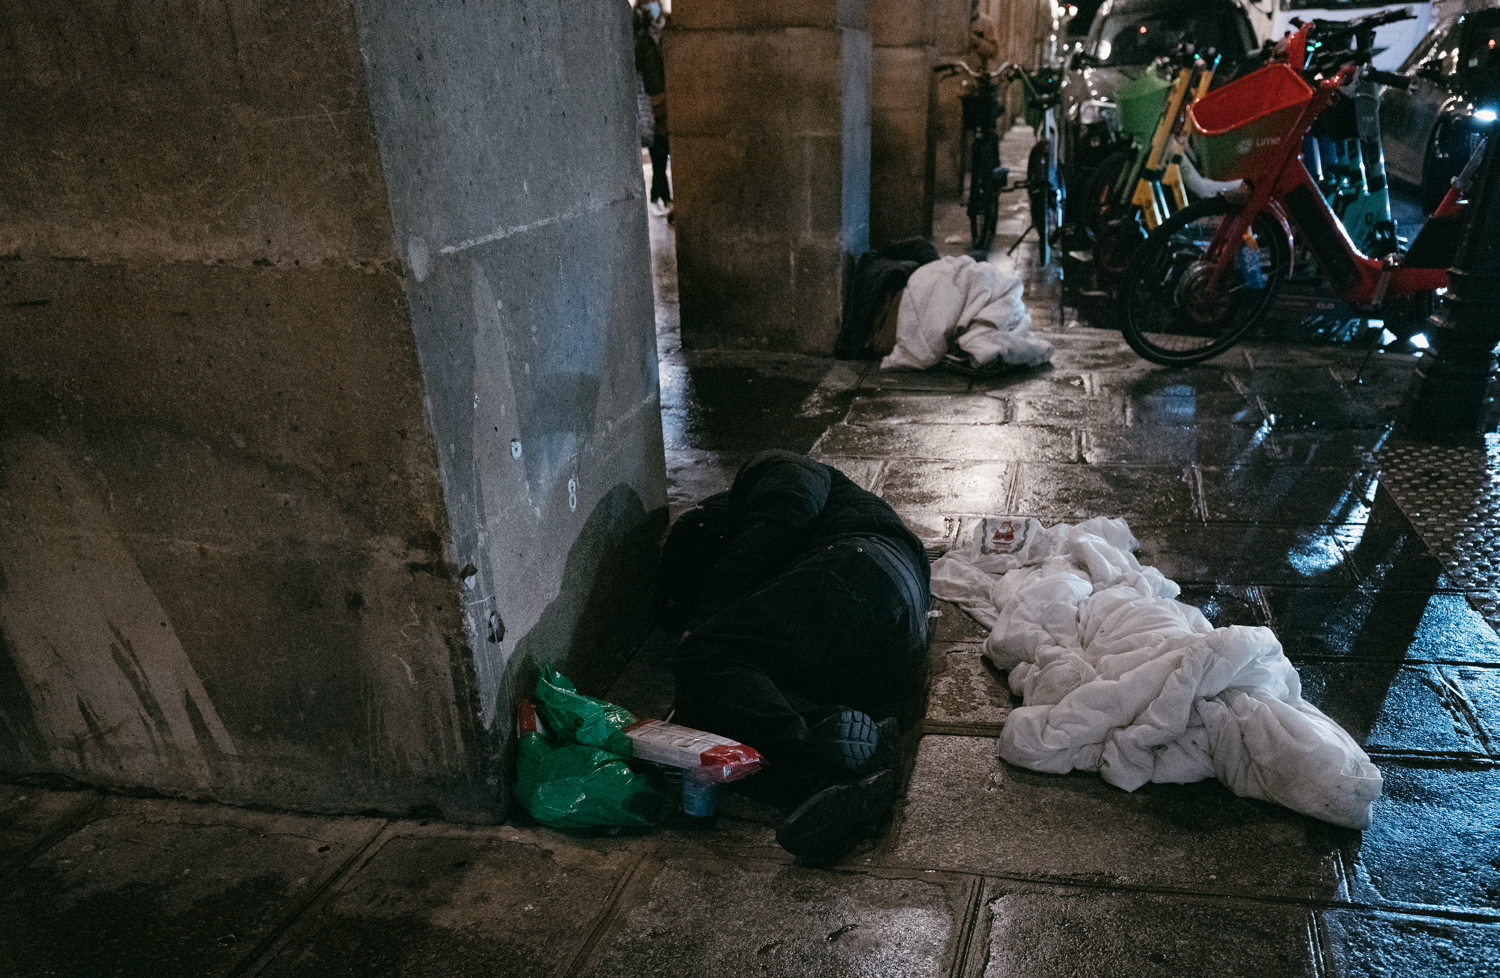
(327, 395)
(770, 129)
(901, 148)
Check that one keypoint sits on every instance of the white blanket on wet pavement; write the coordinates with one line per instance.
(1117, 677)
(975, 302)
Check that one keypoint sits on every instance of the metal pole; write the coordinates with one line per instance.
(1448, 395)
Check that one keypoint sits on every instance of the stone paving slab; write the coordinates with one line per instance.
(29, 815)
(1027, 931)
(1219, 553)
(745, 828)
(1226, 604)
(1067, 412)
(1408, 709)
(727, 919)
(933, 529)
(1373, 945)
(1385, 625)
(1390, 556)
(168, 888)
(746, 406)
(1139, 382)
(1294, 494)
(443, 900)
(1089, 353)
(935, 408)
(954, 624)
(694, 475)
(1187, 408)
(1221, 444)
(1070, 493)
(1062, 385)
(966, 809)
(972, 443)
(867, 473)
(966, 690)
(1297, 409)
(949, 486)
(943, 381)
(1480, 686)
(1434, 840)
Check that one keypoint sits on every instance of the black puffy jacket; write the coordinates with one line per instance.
(781, 506)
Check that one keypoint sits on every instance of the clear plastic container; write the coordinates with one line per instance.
(700, 793)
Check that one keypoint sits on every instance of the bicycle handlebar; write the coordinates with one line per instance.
(1328, 30)
(954, 67)
(1375, 20)
(1390, 78)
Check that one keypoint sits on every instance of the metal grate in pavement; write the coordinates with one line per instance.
(1452, 498)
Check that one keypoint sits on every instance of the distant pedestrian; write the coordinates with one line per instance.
(649, 21)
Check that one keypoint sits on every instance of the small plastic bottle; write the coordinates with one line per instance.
(700, 795)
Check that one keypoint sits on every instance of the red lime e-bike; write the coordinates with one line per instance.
(1203, 278)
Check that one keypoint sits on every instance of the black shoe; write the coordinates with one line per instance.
(847, 745)
(828, 823)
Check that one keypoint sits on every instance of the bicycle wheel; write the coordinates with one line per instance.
(1039, 193)
(1118, 241)
(1167, 305)
(984, 198)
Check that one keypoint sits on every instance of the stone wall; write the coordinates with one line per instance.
(770, 130)
(901, 148)
(281, 285)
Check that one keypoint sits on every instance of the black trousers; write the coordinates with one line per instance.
(846, 625)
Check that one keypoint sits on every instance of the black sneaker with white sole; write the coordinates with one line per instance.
(829, 822)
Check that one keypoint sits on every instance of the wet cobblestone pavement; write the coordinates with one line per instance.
(1254, 480)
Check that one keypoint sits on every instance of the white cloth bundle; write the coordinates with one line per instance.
(1117, 677)
(973, 301)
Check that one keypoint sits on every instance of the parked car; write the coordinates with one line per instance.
(1123, 39)
(1430, 129)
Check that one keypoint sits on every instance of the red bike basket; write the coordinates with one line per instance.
(1238, 128)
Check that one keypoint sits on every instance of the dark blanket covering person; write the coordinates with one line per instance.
(879, 276)
(803, 601)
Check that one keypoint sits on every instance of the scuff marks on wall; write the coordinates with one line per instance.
(109, 690)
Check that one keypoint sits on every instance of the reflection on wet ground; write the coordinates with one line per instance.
(1256, 481)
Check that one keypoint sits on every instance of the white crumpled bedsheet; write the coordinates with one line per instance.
(975, 302)
(1117, 677)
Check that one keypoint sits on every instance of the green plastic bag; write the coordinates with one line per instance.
(575, 717)
(575, 786)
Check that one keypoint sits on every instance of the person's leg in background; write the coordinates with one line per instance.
(661, 187)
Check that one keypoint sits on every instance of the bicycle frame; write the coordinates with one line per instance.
(1294, 198)
(1044, 188)
(1158, 189)
(979, 98)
